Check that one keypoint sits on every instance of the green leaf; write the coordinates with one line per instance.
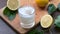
(32, 32)
(6, 11)
(57, 21)
(9, 13)
(36, 32)
(41, 32)
(51, 8)
(58, 7)
(58, 17)
(11, 17)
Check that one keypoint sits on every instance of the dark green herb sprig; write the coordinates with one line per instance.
(51, 8)
(58, 7)
(10, 13)
(36, 32)
(57, 21)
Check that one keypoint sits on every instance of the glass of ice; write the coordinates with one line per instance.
(27, 16)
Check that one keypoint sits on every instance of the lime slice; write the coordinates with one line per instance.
(46, 21)
(13, 4)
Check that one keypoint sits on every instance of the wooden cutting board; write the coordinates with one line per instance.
(38, 14)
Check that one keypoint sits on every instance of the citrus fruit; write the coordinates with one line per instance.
(46, 21)
(42, 3)
(13, 4)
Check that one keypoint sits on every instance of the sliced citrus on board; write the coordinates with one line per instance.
(13, 4)
(46, 21)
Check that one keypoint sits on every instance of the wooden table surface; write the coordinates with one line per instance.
(38, 14)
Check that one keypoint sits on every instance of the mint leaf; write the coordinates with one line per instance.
(32, 32)
(9, 13)
(40, 32)
(36, 32)
(57, 21)
(51, 8)
(58, 7)
(6, 11)
(11, 17)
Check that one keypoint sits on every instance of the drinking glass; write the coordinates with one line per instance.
(27, 16)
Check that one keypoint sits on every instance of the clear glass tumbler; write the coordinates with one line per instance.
(27, 16)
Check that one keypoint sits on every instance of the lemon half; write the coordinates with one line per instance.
(13, 4)
(46, 21)
(42, 3)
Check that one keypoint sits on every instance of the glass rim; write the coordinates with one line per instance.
(33, 10)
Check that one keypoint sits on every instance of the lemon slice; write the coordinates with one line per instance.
(46, 21)
(13, 4)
